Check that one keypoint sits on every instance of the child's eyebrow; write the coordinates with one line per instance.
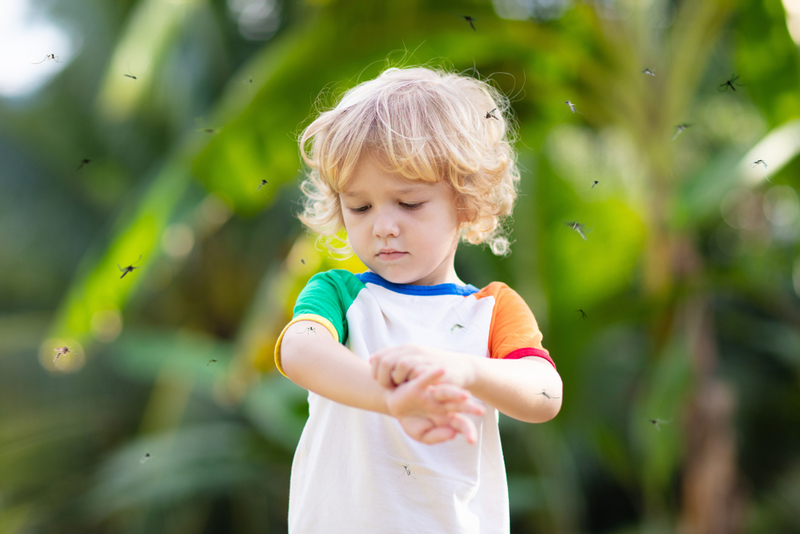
(401, 191)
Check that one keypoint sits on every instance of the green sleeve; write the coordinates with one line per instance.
(330, 295)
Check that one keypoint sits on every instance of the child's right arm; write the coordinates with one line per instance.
(429, 413)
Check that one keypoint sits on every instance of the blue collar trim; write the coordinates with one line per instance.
(369, 277)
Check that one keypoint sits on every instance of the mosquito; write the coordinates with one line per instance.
(594, 184)
(130, 74)
(210, 362)
(760, 162)
(145, 458)
(583, 313)
(309, 330)
(648, 71)
(571, 106)
(201, 126)
(456, 326)
(578, 227)
(657, 422)
(129, 268)
(548, 396)
(408, 471)
(250, 84)
(729, 83)
(84, 162)
(262, 184)
(302, 261)
(470, 20)
(490, 115)
(680, 129)
(48, 56)
(60, 351)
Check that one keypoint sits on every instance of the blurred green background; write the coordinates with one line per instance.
(682, 382)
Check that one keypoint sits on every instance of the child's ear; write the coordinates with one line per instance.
(462, 212)
(465, 214)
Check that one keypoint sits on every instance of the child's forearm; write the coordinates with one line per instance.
(330, 369)
(528, 389)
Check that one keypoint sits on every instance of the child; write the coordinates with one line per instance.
(406, 365)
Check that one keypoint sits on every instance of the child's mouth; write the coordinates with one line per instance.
(389, 255)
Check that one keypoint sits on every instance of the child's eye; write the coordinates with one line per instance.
(411, 206)
(361, 209)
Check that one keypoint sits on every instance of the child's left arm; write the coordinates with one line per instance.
(528, 389)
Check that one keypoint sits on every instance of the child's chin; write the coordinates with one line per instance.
(394, 278)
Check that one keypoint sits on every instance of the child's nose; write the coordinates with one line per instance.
(385, 224)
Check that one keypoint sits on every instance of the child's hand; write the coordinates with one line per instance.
(394, 365)
(433, 413)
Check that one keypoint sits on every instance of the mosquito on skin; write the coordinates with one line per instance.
(729, 83)
(60, 351)
(48, 56)
(129, 268)
(578, 227)
(83, 162)
(680, 129)
(470, 20)
(548, 396)
(309, 330)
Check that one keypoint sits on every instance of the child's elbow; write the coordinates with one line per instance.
(549, 411)
(290, 355)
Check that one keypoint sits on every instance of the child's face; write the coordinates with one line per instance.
(406, 232)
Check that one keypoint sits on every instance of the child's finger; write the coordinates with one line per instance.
(449, 393)
(383, 368)
(438, 434)
(461, 407)
(465, 406)
(427, 378)
(464, 426)
(374, 362)
(406, 369)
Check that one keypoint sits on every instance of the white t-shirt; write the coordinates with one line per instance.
(357, 471)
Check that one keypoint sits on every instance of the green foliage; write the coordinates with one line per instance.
(175, 359)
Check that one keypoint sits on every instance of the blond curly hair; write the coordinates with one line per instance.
(424, 125)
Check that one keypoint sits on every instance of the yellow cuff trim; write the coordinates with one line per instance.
(304, 317)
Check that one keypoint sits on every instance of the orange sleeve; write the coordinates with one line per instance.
(513, 333)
